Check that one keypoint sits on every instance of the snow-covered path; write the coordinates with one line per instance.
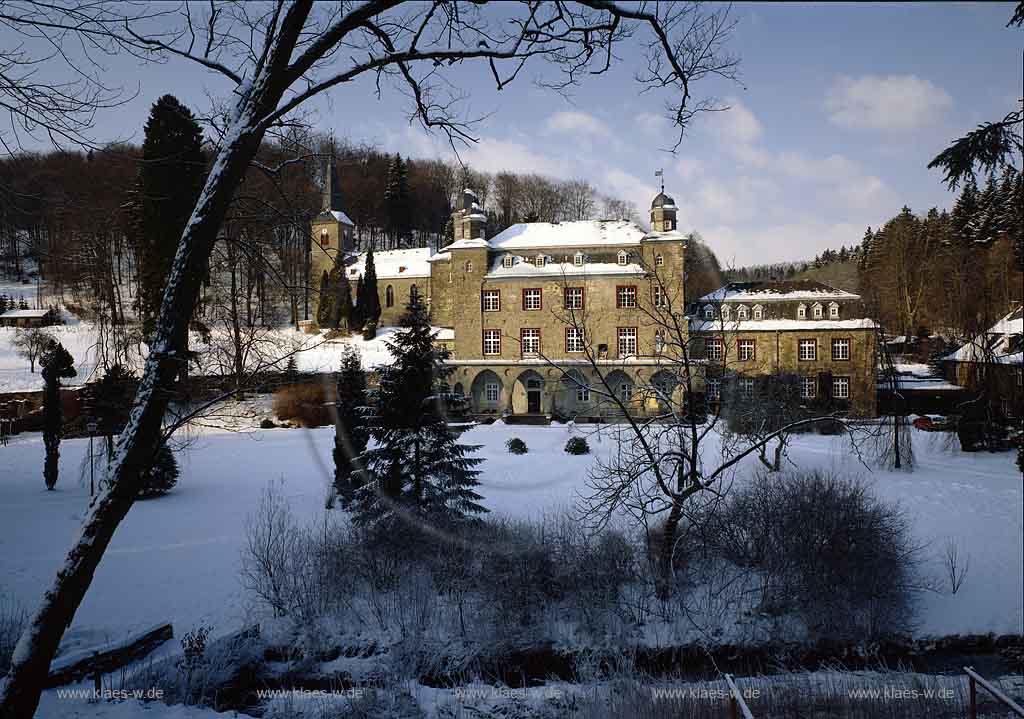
(176, 558)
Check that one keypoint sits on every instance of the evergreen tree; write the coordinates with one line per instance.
(397, 209)
(417, 470)
(291, 371)
(170, 178)
(57, 364)
(323, 307)
(964, 210)
(349, 425)
(356, 320)
(160, 476)
(110, 402)
(371, 300)
(983, 225)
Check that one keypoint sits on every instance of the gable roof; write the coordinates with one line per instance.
(581, 233)
(777, 290)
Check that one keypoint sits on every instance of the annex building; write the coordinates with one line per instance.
(556, 319)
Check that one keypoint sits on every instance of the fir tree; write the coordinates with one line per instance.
(371, 301)
(291, 371)
(964, 210)
(349, 425)
(417, 470)
(57, 364)
(983, 225)
(397, 210)
(110, 402)
(160, 476)
(170, 179)
(356, 318)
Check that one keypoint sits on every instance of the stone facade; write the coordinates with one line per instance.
(523, 311)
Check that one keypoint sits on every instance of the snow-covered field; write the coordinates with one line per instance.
(176, 558)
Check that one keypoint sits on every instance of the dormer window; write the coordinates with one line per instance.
(540, 260)
(623, 257)
(758, 312)
(726, 313)
(659, 261)
(742, 312)
(801, 312)
(709, 312)
(507, 261)
(816, 308)
(577, 259)
(469, 265)
(833, 311)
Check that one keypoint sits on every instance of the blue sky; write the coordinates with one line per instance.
(839, 110)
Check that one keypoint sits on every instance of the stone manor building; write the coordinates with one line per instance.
(550, 319)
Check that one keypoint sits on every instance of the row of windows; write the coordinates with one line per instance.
(808, 388)
(572, 298)
(389, 295)
(807, 349)
(575, 342)
(578, 260)
(757, 312)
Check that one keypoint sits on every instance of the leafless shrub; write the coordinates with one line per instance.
(955, 564)
(272, 548)
(303, 403)
(12, 623)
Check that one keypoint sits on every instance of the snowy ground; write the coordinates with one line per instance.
(175, 558)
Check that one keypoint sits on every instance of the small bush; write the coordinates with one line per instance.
(303, 403)
(267, 423)
(12, 623)
(516, 446)
(160, 477)
(577, 445)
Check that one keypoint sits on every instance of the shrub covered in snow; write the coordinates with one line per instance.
(516, 446)
(577, 445)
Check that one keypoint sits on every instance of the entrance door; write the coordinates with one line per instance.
(533, 396)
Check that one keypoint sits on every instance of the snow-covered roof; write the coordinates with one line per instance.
(700, 325)
(444, 333)
(666, 236)
(24, 313)
(338, 215)
(474, 243)
(777, 290)
(392, 264)
(1002, 344)
(559, 269)
(582, 233)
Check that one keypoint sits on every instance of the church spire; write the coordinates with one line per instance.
(332, 187)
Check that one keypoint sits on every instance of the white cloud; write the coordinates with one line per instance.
(688, 168)
(894, 102)
(738, 123)
(575, 122)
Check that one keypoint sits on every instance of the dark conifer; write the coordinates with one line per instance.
(57, 364)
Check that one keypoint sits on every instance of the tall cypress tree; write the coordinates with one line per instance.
(170, 178)
(57, 364)
(349, 425)
(417, 470)
(356, 318)
(371, 300)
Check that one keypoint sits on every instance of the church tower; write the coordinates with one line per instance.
(663, 213)
(469, 221)
(331, 232)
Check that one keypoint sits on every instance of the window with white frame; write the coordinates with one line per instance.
(709, 312)
(714, 391)
(816, 308)
(582, 393)
(623, 257)
(746, 350)
(801, 312)
(469, 265)
(492, 391)
(833, 311)
(492, 342)
(574, 339)
(627, 341)
(529, 340)
(659, 261)
(508, 261)
(807, 350)
(741, 312)
(574, 298)
(577, 259)
(726, 313)
(808, 387)
(841, 387)
(625, 297)
(492, 300)
(715, 349)
(758, 312)
(746, 385)
(625, 391)
(541, 260)
(660, 298)
(840, 349)
(659, 341)
(532, 298)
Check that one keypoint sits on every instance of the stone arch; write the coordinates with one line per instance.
(482, 393)
(662, 391)
(618, 381)
(574, 393)
(459, 389)
(530, 395)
